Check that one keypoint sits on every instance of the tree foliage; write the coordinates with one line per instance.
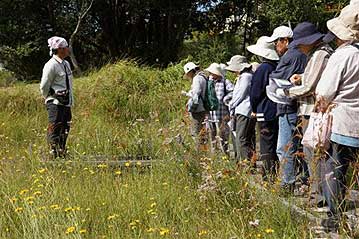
(150, 30)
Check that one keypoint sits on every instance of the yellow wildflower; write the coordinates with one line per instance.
(269, 230)
(102, 166)
(42, 170)
(118, 172)
(14, 199)
(152, 212)
(82, 231)
(55, 207)
(29, 198)
(112, 216)
(68, 209)
(70, 230)
(127, 164)
(19, 209)
(23, 191)
(37, 193)
(202, 233)
(164, 231)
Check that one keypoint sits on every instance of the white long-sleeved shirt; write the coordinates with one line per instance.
(54, 77)
(240, 103)
(339, 84)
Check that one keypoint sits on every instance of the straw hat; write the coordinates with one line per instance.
(264, 48)
(238, 63)
(215, 69)
(346, 25)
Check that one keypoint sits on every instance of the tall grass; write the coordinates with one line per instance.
(125, 110)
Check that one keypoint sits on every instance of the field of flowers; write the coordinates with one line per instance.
(125, 110)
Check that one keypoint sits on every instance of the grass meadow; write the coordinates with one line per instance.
(126, 110)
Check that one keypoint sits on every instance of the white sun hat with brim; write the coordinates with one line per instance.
(281, 32)
(238, 63)
(189, 67)
(264, 48)
(215, 69)
(346, 25)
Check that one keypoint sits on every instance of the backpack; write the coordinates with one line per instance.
(210, 101)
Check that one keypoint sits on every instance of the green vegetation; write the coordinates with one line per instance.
(125, 110)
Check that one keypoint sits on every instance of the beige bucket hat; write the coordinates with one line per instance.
(346, 25)
(264, 48)
(215, 69)
(238, 63)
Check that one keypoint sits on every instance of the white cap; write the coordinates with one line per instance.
(189, 66)
(281, 32)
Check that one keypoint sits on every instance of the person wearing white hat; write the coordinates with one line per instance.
(264, 110)
(291, 62)
(339, 85)
(195, 104)
(281, 36)
(244, 124)
(56, 88)
(218, 118)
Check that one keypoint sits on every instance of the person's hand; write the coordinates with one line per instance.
(296, 79)
(321, 105)
(253, 115)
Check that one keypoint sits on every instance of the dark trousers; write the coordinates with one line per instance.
(268, 146)
(245, 137)
(335, 168)
(58, 128)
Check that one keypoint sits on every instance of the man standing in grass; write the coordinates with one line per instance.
(56, 88)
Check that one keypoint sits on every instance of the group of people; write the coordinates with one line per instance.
(299, 73)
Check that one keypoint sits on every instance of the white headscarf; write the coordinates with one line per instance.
(56, 43)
